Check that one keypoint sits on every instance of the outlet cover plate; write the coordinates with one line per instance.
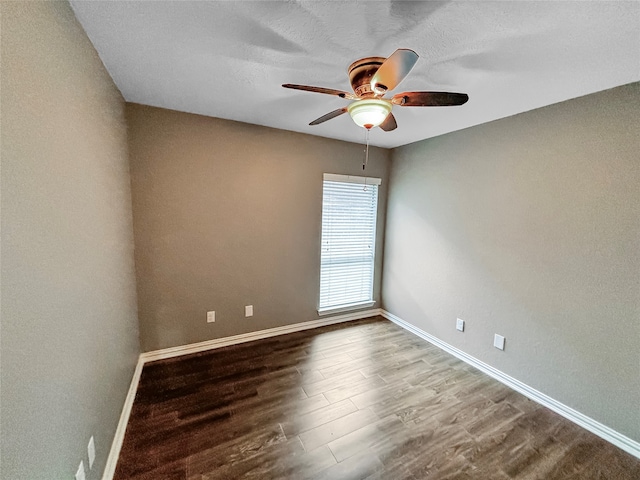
(211, 317)
(91, 451)
(248, 311)
(498, 341)
(460, 324)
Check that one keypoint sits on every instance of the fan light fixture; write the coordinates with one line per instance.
(371, 78)
(369, 112)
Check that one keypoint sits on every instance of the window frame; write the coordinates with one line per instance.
(356, 305)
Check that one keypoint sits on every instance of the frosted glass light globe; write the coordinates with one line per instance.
(369, 112)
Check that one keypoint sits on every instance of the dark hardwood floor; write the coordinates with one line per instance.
(359, 400)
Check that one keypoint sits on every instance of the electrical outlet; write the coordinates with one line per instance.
(498, 341)
(91, 450)
(248, 311)
(80, 473)
(460, 324)
(211, 317)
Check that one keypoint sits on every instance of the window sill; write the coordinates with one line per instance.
(344, 308)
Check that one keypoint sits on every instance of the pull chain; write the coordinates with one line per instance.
(366, 156)
(366, 152)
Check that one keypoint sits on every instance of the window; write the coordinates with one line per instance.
(349, 211)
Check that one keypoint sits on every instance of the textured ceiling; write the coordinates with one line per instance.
(229, 59)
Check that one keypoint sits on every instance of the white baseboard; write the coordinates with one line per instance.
(619, 440)
(118, 438)
(248, 337)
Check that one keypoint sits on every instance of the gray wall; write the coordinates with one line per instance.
(69, 329)
(228, 214)
(530, 227)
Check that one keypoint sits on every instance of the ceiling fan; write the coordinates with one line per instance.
(371, 78)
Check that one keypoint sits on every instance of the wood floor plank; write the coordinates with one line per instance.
(355, 388)
(378, 395)
(365, 438)
(354, 468)
(309, 404)
(330, 431)
(334, 382)
(307, 421)
(259, 465)
(359, 400)
(314, 365)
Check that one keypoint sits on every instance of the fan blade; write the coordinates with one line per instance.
(329, 116)
(389, 123)
(328, 91)
(429, 99)
(393, 70)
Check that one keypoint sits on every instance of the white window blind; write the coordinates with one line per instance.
(349, 212)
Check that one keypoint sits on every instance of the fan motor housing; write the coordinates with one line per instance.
(360, 73)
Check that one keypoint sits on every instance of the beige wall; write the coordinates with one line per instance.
(228, 214)
(69, 329)
(530, 227)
